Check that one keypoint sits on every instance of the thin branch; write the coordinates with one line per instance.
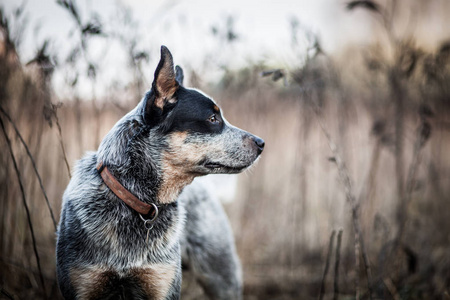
(357, 264)
(327, 265)
(345, 178)
(33, 163)
(25, 205)
(6, 294)
(55, 108)
(391, 288)
(366, 264)
(70, 6)
(397, 95)
(423, 133)
(336, 265)
(21, 267)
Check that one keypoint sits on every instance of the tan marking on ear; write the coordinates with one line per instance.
(177, 162)
(89, 282)
(156, 279)
(166, 85)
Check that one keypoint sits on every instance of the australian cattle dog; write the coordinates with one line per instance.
(125, 222)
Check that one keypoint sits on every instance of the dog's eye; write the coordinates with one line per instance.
(213, 119)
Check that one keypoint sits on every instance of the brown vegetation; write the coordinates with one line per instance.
(358, 145)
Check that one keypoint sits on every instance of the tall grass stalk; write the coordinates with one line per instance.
(24, 201)
(33, 163)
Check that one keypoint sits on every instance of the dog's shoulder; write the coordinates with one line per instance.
(85, 179)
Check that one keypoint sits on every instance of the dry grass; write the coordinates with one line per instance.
(291, 201)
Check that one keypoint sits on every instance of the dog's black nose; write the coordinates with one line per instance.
(260, 143)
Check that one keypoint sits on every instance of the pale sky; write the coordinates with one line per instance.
(184, 26)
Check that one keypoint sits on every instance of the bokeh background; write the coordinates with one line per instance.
(350, 199)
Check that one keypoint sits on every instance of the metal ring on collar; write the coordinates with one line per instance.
(153, 219)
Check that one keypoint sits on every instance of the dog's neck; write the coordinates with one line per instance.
(120, 191)
(149, 186)
(172, 183)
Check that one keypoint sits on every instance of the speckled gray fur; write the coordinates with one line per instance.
(102, 251)
(207, 244)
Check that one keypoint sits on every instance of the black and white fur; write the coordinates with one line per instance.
(173, 135)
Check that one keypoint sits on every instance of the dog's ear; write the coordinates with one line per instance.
(164, 83)
(179, 75)
(164, 86)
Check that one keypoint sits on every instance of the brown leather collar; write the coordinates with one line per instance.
(121, 192)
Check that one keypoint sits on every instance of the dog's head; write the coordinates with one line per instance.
(179, 132)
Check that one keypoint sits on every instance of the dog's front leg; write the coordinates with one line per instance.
(208, 245)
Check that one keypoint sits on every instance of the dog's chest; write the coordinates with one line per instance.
(122, 237)
(99, 282)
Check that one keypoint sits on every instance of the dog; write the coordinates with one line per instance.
(125, 219)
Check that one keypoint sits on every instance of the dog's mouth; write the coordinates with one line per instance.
(215, 167)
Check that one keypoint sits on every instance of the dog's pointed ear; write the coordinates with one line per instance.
(164, 87)
(179, 75)
(164, 83)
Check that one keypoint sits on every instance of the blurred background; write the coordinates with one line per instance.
(350, 199)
